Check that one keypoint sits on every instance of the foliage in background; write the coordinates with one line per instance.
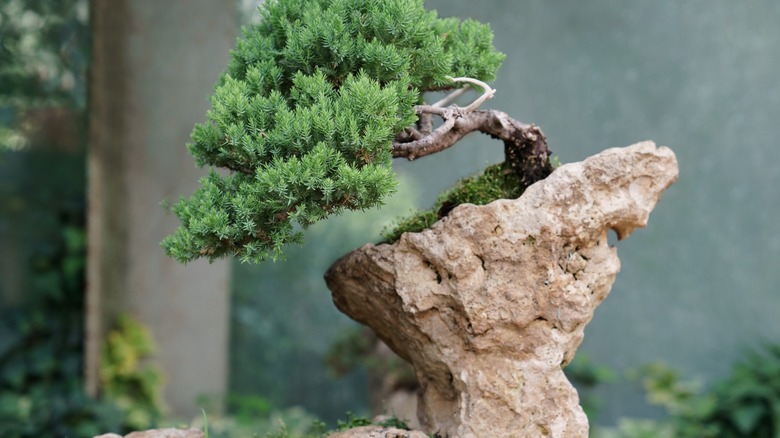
(127, 377)
(357, 348)
(354, 421)
(306, 114)
(42, 62)
(41, 350)
(43, 59)
(352, 349)
(41, 364)
(586, 375)
(746, 404)
(254, 416)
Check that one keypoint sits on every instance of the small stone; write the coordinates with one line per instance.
(377, 432)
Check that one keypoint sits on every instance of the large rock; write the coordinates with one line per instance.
(491, 302)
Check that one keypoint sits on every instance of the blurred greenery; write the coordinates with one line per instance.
(128, 378)
(586, 375)
(745, 404)
(41, 386)
(254, 416)
(42, 183)
(44, 62)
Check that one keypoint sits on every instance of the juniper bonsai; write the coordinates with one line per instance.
(317, 100)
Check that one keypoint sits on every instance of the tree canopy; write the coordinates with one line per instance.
(307, 113)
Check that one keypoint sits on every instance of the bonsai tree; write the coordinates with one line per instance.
(487, 305)
(317, 100)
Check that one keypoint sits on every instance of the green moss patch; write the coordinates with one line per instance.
(496, 182)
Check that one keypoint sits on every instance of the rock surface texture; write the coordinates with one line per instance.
(491, 301)
(159, 433)
(377, 432)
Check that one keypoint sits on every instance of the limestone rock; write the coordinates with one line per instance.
(159, 433)
(491, 301)
(377, 432)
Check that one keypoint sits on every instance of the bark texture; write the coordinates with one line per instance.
(525, 146)
(491, 302)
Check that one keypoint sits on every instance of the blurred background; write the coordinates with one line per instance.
(99, 331)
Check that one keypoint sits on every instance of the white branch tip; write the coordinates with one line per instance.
(488, 92)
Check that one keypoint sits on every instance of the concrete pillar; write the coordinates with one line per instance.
(154, 64)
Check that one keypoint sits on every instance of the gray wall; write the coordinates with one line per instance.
(154, 65)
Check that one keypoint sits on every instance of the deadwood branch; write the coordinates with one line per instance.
(525, 146)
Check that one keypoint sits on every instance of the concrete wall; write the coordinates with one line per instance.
(154, 64)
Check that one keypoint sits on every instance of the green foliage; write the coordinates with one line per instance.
(352, 422)
(41, 351)
(43, 49)
(395, 422)
(127, 380)
(41, 365)
(746, 404)
(306, 113)
(254, 416)
(205, 424)
(496, 182)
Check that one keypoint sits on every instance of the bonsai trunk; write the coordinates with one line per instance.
(491, 302)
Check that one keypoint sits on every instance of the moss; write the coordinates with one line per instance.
(496, 182)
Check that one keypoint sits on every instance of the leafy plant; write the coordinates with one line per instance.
(747, 403)
(352, 422)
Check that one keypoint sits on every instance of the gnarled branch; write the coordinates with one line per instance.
(525, 146)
